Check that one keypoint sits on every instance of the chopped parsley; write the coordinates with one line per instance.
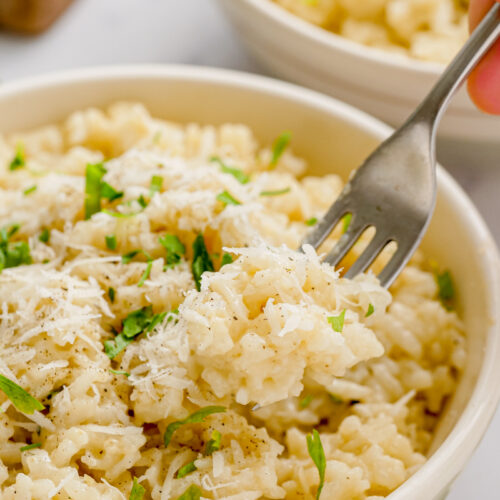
(305, 402)
(119, 215)
(109, 192)
(140, 321)
(142, 201)
(227, 199)
(29, 190)
(111, 294)
(111, 241)
(44, 236)
(145, 274)
(13, 254)
(275, 193)
(238, 174)
(93, 175)
(30, 446)
(174, 248)
(192, 493)
(279, 146)
(137, 492)
(370, 311)
(194, 418)
(119, 372)
(156, 185)
(127, 258)
(201, 260)
(446, 289)
(21, 399)
(346, 222)
(226, 259)
(186, 469)
(214, 443)
(312, 221)
(95, 189)
(317, 454)
(19, 160)
(337, 322)
(337, 400)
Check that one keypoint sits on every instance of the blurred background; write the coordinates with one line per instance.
(65, 34)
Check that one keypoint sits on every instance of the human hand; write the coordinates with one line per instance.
(484, 82)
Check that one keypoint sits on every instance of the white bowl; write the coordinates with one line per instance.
(334, 138)
(386, 85)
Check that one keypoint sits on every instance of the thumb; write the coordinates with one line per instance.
(484, 82)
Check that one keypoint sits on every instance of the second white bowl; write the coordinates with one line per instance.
(386, 85)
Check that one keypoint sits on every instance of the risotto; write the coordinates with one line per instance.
(160, 338)
(431, 30)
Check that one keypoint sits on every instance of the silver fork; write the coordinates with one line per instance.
(395, 188)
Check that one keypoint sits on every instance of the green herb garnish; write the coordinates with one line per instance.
(30, 446)
(305, 402)
(142, 201)
(192, 493)
(127, 258)
(13, 254)
(346, 222)
(19, 159)
(140, 321)
(111, 294)
(194, 418)
(44, 236)
(174, 248)
(279, 146)
(156, 185)
(119, 372)
(145, 274)
(312, 221)
(137, 492)
(226, 259)
(275, 193)
(337, 322)
(93, 175)
(370, 311)
(337, 400)
(238, 174)
(446, 290)
(227, 199)
(317, 454)
(29, 190)
(201, 260)
(21, 399)
(214, 442)
(186, 469)
(111, 241)
(119, 215)
(109, 192)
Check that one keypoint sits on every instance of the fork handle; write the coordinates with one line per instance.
(480, 41)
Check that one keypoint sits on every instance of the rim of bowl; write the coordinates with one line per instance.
(337, 42)
(446, 463)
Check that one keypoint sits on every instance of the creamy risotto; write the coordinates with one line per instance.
(431, 30)
(160, 338)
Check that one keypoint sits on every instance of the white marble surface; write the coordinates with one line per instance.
(95, 32)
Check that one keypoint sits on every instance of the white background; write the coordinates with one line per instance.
(95, 32)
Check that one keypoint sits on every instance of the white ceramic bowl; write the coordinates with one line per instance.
(386, 85)
(334, 138)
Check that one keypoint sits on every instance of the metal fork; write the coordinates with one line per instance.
(395, 188)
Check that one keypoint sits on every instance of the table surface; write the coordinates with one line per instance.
(95, 32)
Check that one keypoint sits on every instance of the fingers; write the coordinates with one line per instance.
(484, 82)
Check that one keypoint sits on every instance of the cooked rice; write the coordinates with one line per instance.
(430, 30)
(256, 333)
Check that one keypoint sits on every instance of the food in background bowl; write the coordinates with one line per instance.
(151, 298)
(431, 30)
